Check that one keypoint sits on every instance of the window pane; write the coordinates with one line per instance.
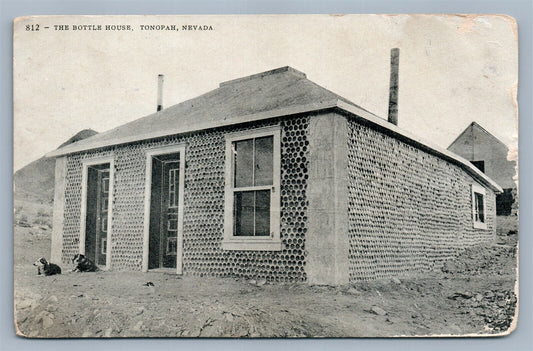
(105, 182)
(172, 225)
(262, 213)
(243, 163)
(104, 224)
(103, 246)
(172, 246)
(243, 213)
(263, 160)
(479, 208)
(172, 187)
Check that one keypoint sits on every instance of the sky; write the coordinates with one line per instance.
(453, 69)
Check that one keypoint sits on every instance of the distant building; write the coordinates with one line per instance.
(489, 155)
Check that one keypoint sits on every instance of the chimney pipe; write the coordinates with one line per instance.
(393, 89)
(160, 92)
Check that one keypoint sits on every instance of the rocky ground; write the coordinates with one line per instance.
(473, 294)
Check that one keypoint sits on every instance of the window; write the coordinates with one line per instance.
(252, 190)
(479, 165)
(103, 245)
(504, 202)
(478, 207)
(172, 246)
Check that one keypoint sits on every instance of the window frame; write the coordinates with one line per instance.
(477, 189)
(253, 243)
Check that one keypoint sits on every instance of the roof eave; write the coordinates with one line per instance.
(423, 144)
(80, 147)
(313, 107)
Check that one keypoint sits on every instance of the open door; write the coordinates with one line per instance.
(164, 211)
(97, 195)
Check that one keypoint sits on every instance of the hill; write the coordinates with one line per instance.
(35, 181)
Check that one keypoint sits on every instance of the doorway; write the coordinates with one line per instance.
(163, 232)
(96, 211)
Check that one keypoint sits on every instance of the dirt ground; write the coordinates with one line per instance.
(473, 294)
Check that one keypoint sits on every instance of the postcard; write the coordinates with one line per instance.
(265, 176)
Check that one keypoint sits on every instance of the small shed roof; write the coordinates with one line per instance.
(472, 126)
(280, 92)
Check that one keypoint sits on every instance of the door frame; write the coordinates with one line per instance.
(150, 153)
(83, 222)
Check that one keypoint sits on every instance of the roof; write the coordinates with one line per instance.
(475, 125)
(280, 92)
(268, 91)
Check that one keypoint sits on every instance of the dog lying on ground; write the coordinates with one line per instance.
(46, 268)
(83, 264)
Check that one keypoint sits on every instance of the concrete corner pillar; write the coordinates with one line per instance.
(327, 235)
(59, 210)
